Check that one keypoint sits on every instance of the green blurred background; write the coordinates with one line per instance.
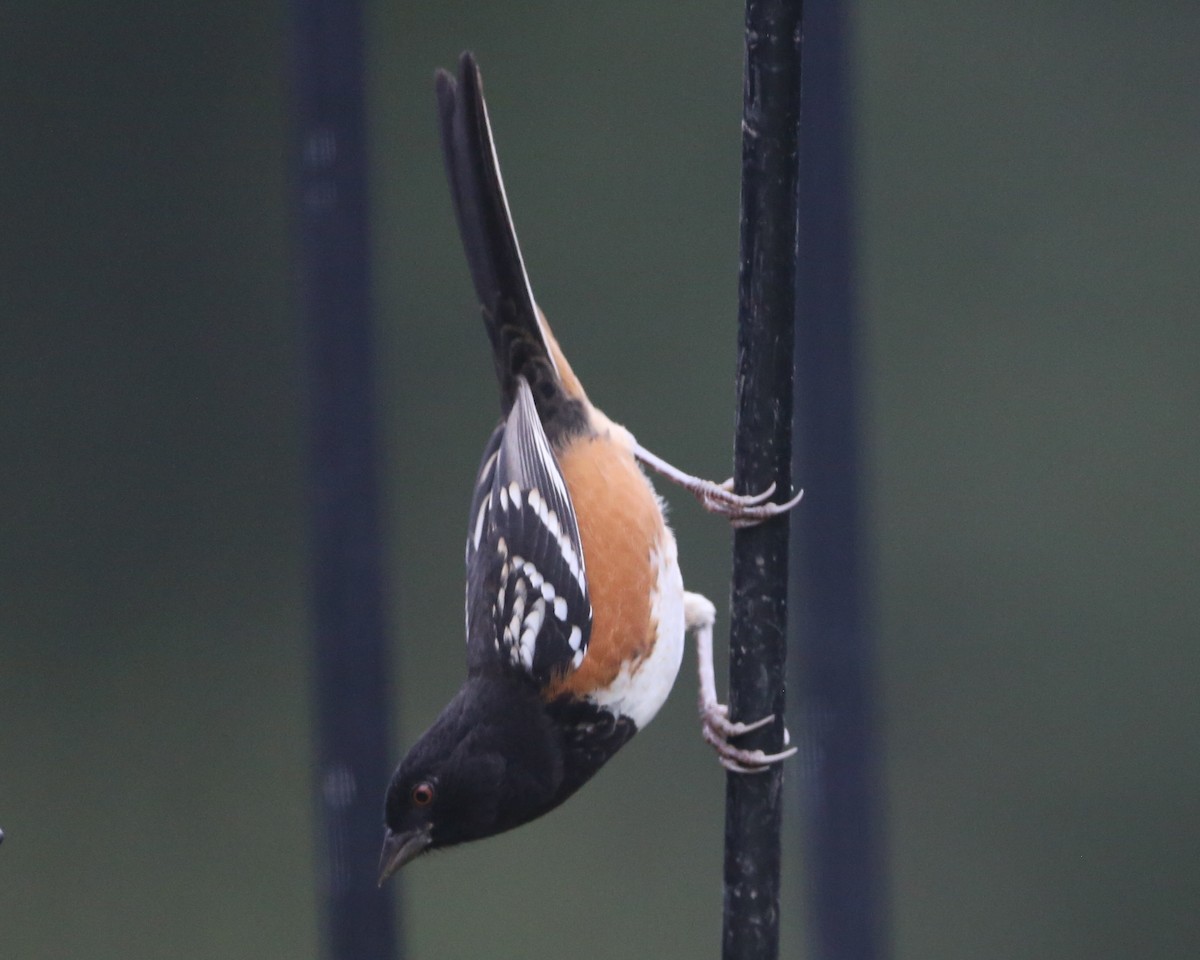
(1028, 240)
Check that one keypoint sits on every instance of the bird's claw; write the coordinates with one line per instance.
(717, 718)
(743, 510)
(717, 728)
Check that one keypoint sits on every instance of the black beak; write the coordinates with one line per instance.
(399, 848)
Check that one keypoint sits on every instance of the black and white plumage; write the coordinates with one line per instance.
(527, 596)
(575, 607)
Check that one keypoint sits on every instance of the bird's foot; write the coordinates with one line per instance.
(742, 510)
(717, 729)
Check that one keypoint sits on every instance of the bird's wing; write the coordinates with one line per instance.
(527, 594)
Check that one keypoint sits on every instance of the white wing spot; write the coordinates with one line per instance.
(535, 578)
(536, 616)
(543, 451)
(575, 639)
(483, 509)
(514, 493)
(560, 608)
(485, 472)
(573, 563)
(532, 627)
(550, 519)
(551, 522)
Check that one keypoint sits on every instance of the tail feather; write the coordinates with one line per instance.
(522, 345)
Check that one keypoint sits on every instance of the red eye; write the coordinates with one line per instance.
(422, 794)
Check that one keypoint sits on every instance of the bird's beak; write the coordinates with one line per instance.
(399, 848)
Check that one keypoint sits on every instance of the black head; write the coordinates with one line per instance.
(490, 762)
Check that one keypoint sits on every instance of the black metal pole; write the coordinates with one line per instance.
(762, 455)
(351, 665)
(839, 774)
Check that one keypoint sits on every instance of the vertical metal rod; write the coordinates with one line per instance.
(762, 455)
(832, 667)
(351, 664)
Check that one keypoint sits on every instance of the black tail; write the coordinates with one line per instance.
(518, 345)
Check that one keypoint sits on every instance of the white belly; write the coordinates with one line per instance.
(641, 688)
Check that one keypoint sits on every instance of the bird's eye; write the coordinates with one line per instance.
(422, 794)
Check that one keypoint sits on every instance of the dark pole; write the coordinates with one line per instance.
(762, 455)
(351, 666)
(836, 718)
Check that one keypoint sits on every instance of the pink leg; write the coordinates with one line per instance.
(743, 510)
(715, 725)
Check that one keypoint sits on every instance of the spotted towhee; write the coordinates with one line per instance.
(575, 605)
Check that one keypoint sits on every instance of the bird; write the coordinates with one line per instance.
(575, 607)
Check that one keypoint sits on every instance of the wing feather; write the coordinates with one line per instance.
(527, 595)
